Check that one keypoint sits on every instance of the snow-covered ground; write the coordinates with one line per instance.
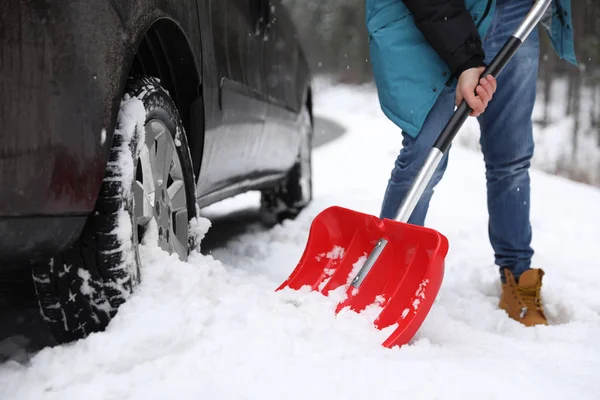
(214, 328)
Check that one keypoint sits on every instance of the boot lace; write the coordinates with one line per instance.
(531, 298)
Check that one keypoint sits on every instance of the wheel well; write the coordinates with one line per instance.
(165, 53)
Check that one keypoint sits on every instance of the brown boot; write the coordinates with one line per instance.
(522, 301)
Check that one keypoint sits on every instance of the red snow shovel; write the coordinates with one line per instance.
(390, 263)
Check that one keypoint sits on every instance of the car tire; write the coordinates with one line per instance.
(80, 290)
(295, 192)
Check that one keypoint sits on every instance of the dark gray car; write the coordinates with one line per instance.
(225, 93)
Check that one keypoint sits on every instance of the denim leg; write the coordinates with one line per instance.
(507, 142)
(411, 158)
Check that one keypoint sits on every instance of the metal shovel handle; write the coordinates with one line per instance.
(442, 144)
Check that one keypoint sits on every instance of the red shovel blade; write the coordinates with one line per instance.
(404, 281)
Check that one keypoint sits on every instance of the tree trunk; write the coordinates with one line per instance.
(576, 108)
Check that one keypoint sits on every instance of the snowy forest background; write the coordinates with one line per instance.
(567, 113)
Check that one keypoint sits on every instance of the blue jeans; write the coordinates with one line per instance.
(506, 141)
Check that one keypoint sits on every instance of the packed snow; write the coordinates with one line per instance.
(215, 328)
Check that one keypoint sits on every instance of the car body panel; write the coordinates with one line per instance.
(235, 121)
(244, 146)
(53, 97)
(286, 67)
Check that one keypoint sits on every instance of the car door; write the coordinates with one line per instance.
(232, 146)
(282, 133)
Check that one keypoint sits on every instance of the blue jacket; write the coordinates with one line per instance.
(408, 72)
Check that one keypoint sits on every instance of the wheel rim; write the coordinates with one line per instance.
(159, 191)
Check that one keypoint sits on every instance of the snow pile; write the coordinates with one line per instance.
(215, 328)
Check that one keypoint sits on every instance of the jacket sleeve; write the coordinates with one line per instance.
(449, 29)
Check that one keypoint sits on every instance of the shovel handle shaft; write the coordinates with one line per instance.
(419, 185)
(369, 262)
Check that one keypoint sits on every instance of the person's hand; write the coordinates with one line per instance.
(477, 92)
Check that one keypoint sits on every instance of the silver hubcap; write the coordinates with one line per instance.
(159, 191)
